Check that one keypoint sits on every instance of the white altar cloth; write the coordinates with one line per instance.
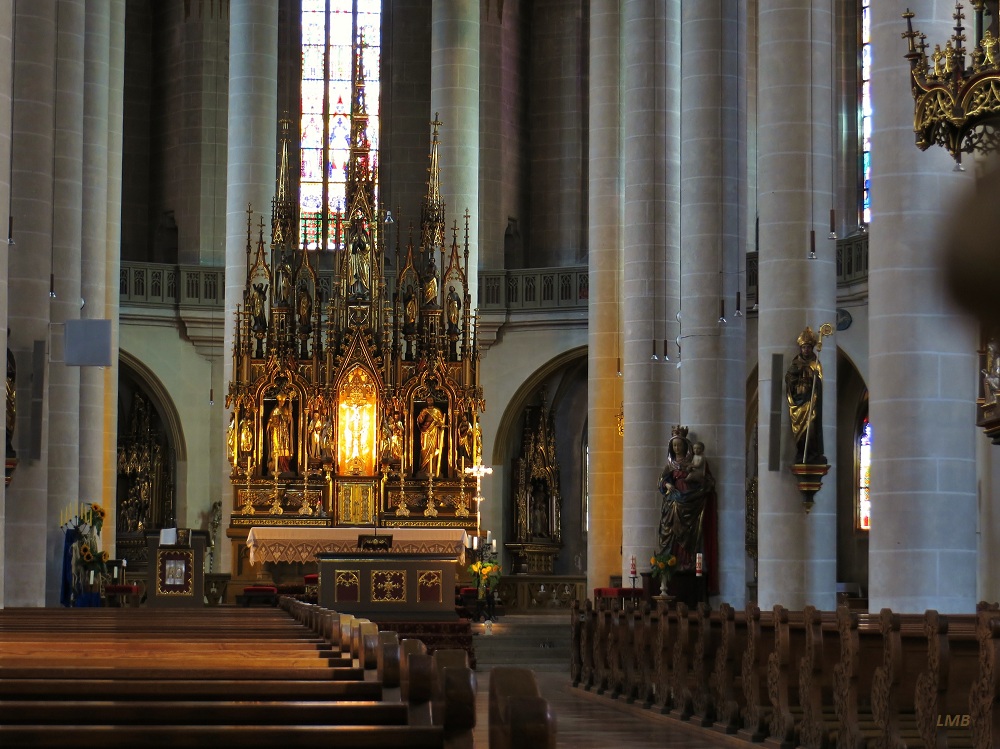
(282, 544)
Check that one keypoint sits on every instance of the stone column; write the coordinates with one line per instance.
(67, 203)
(923, 369)
(112, 267)
(556, 123)
(93, 293)
(604, 388)
(797, 551)
(713, 157)
(455, 101)
(253, 128)
(30, 262)
(651, 106)
(6, 95)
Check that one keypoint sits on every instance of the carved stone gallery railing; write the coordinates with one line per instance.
(163, 285)
(852, 264)
(799, 678)
(534, 289)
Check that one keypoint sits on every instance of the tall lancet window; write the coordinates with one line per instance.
(864, 503)
(330, 30)
(865, 111)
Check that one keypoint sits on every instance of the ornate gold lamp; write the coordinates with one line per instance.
(956, 93)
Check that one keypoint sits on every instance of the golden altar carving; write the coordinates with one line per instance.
(355, 396)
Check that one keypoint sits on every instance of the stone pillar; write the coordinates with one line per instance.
(6, 96)
(112, 264)
(93, 292)
(797, 551)
(253, 128)
(604, 472)
(30, 262)
(455, 101)
(556, 148)
(67, 204)
(922, 545)
(713, 376)
(651, 106)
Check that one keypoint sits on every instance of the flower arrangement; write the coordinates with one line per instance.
(83, 560)
(661, 565)
(486, 573)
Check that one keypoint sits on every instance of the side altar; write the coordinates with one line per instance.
(355, 396)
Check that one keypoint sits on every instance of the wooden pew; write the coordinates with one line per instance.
(519, 717)
(753, 672)
(189, 693)
(724, 681)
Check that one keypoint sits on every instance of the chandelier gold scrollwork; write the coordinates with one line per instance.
(956, 93)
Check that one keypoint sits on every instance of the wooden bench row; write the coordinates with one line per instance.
(440, 688)
(253, 677)
(800, 678)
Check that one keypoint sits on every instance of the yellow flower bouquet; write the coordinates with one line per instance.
(662, 565)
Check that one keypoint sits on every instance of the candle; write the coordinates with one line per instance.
(91, 577)
(475, 542)
(631, 569)
(494, 543)
(115, 572)
(698, 564)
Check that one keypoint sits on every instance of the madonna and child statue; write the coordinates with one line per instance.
(687, 512)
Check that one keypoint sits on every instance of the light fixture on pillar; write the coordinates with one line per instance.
(954, 97)
(10, 230)
(739, 311)
(722, 313)
(619, 370)
(52, 285)
(654, 357)
(666, 356)
(812, 244)
(833, 224)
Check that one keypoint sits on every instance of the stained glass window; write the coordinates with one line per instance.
(865, 475)
(329, 31)
(865, 112)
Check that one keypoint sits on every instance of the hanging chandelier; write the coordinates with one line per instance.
(956, 93)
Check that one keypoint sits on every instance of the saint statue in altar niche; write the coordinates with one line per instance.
(317, 431)
(454, 306)
(539, 511)
(258, 303)
(804, 388)
(409, 311)
(280, 438)
(431, 284)
(360, 261)
(432, 423)
(305, 309)
(686, 485)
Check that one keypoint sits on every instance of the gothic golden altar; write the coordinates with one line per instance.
(355, 396)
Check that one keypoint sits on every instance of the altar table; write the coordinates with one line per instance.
(283, 544)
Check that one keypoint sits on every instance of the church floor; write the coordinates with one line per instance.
(588, 721)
